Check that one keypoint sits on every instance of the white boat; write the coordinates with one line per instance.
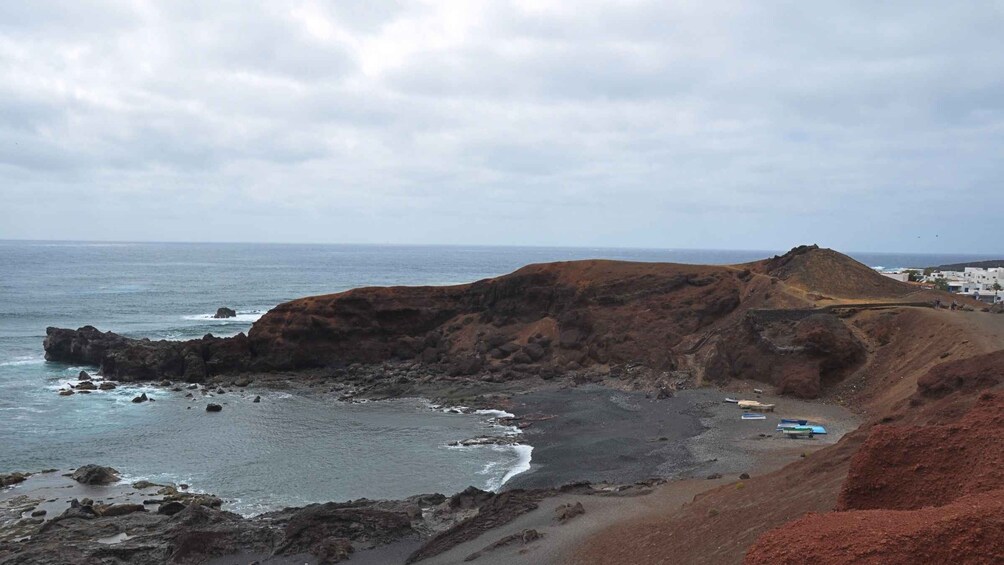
(754, 405)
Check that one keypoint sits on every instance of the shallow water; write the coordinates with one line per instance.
(288, 449)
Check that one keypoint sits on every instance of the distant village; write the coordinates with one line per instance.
(984, 284)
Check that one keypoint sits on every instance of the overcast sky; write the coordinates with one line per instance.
(862, 126)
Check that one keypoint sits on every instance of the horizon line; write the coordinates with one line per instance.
(482, 245)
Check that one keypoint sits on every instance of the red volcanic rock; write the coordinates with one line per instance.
(908, 467)
(970, 530)
(913, 494)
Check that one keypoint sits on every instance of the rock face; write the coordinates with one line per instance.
(127, 359)
(542, 319)
(798, 351)
(95, 475)
(224, 312)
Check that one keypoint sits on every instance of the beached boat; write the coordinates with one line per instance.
(796, 422)
(751, 416)
(754, 405)
(789, 425)
(731, 400)
(796, 433)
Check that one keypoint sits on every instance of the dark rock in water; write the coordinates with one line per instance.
(192, 386)
(140, 485)
(224, 312)
(95, 475)
(165, 383)
(257, 399)
(38, 513)
(145, 360)
(86, 385)
(141, 398)
(171, 508)
(65, 393)
(106, 385)
(12, 479)
(83, 376)
(213, 408)
(220, 391)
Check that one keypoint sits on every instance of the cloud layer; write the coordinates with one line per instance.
(687, 124)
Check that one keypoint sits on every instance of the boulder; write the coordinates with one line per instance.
(106, 385)
(213, 408)
(12, 479)
(95, 475)
(534, 351)
(171, 508)
(224, 312)
(256, 400)
(83, 376)
(141, 398)
(86, 385)
(65, 393)
(566, 512)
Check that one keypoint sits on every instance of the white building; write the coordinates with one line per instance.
(973, 281)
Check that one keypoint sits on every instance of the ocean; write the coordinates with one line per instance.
(289, 449)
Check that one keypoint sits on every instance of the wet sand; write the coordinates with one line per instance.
(604, 435)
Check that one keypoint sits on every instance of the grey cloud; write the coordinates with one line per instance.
(690, 124)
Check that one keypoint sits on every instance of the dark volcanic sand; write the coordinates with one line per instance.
(600, 434)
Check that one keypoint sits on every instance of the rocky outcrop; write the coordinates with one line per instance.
(185, 528)
(95, 475)
(128, 359)
(798, 351)
(543, 319)
(223, 313)
(561, 315)
(11, 479)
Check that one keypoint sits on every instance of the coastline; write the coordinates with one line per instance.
(631, 445)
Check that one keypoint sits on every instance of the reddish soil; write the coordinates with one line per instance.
(910, 467)
(970, 530)
(945, 444)
(913, 494)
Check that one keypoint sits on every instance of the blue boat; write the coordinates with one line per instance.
(751, 416)
(798, 422)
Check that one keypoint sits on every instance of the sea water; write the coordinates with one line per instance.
(288, 449)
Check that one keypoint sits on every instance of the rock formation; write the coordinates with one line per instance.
(758, 321)
(224, 313)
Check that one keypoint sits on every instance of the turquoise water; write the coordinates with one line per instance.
(288, 449)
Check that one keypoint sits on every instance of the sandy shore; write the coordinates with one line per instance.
(599, 434)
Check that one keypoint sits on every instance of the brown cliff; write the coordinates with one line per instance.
(717, 321)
